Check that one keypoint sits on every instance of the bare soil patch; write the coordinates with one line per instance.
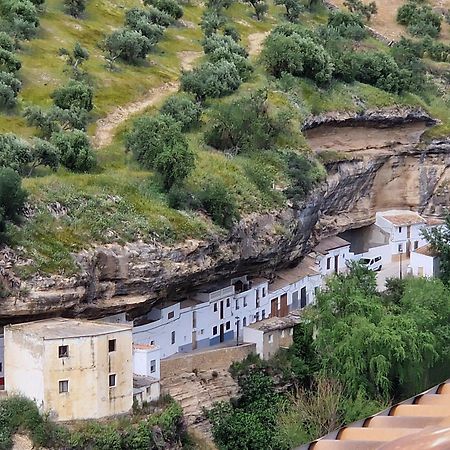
(255, 42)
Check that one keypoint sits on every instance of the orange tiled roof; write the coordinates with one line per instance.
(417, 423)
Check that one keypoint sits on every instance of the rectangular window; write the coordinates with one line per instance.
(328, 263)
(416, 245)
(153, 365)
(399, 229)
(112, 379)
(63, 386)
(270, 338)
(63, 351)
(215, 307)
(227, 326)
(214, 331)
(244, 322)
(228, 302)
(257, 294)
(257, 316)
(172, 339)
(171, 315)
(263, 313)
(112, 345)
(237, 304)
(245, 302)
(1, 367)
(202, 331)
(263, 291)
(400, 248)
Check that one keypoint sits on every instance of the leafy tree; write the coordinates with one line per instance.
(20, 28)
(75, 94)
(159, 17)
(293, 9)
(358, 7)
(11, 81)
(74, 149)
(9, 61)
(175, 163)
(211, 21)
(12, 197)
(43, 153)
(7, 96)
(20, 9)
(244, 125)
(243, 65)
(139, 20)
(297, 55)
(260, 7)
(216, 42)
(219, 203)
(170, 7)
(420, 19)
(439, 239)
(347, 24)
(129, 45)
(6, 43)
(75, 59)
(183, 109)
(232, 32)
(75, 8)
(212, 80)
(15, 153)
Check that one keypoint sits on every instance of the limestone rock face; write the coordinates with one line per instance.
(133, 277)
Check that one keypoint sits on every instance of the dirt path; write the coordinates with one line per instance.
(107, 126)
(255, 42)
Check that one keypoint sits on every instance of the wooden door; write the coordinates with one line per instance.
(284, 310)
(274, 308)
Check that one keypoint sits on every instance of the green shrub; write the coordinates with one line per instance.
(75, 94)
(7, 96)
(179, 197)
(260, 7)
(212, 80)
(170, 421)
(20, 9)
(75, 150)
(6, 43)
(242, 64)
(170, 7)
(12, 201)
(138, 19)
(297, 55)
(129, 45)
(219, 203)
(216, 42)
(219, 4)
(347, 25)
(159, 17)
(211, 21)
(21, 29)
(183, 109)
(293, 9)
(150, 135)
(364, 10)
(244, 125)
(75, 7)
(175, 163)
(420, 19)
(15, 153)
(9, 61)
(231, 31)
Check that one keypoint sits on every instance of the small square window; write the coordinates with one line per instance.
(171, 315)
(215, 307)
(173, 337)
(227, 326)
(112, 380)
(112, 345)
(63, 386)
(63, 351)
(153, 365)
(214, 331)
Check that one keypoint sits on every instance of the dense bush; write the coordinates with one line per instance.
(9, 62)
(150, 135)
(232, 32)
(75, 94)
(212, 80)
(159, 17)
(243, 65)
(12, 201)
(219, 203)
(9, 88)
(6, 43)
(211, 21)
(348, 25)
(260, 7)
(75, 7)
(297, 55)
(139, 20)
(293, 9)
(75, 151)
(420, 19)
(244, 125)
(15, 153)
(129, 45)
(20, 9)
(216, 42)
(358, 7)
(170, 7)
(183, 109)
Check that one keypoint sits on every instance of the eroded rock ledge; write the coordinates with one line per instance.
(133, 277)
(385, 117)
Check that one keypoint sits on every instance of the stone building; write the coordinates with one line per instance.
(74, 369)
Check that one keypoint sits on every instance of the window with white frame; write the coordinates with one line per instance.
(112, 379)
(328, 263)
(215, 307)
(63, 351)
(227, 325)
(63, 386)
(237, 303)
(214, 331)
(153, 365)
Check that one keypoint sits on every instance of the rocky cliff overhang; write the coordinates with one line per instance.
(133, 277)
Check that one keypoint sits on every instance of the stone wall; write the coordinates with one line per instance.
(217, 359)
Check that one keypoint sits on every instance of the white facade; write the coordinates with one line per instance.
(147, 360)
(332, 255)
(424, 263)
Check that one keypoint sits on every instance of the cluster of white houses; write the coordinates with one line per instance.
(89, 369)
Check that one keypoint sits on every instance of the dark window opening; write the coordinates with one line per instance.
(63, 351)
(112, 345)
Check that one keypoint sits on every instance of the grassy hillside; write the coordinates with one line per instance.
(122, 202)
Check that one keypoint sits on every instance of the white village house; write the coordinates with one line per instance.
(424, 262)
(332, 255)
